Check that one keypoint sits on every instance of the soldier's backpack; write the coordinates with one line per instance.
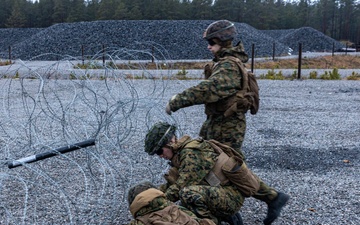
(171, 215)
(248, 97)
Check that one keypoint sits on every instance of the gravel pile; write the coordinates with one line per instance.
(311, 40)
(11, 36)
(303, 141)
(164, 39)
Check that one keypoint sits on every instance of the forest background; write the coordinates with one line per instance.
(338, 19)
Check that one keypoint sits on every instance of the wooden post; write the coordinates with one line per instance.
(273, 51)
(299, 61)
(10, 54)
(252, 57)
(152, 54)
(103, 58)
(82, 54)
(346, 49)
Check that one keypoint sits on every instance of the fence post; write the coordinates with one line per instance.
(299, 61)
(103, 58)
(252, 57)
(82, 54)
(333, 49)
(273, 51)
(346, 49)
(10, 54)
(152, 54)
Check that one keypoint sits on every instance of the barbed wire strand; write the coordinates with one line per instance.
(60, 103)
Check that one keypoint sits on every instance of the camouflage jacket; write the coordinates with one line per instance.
(194, 159)
(224, 82)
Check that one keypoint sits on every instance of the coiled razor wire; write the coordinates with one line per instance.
(56, 104)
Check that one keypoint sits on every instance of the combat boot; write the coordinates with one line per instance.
(275, 206)
(234, 219)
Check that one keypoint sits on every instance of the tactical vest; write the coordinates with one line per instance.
(247, 98)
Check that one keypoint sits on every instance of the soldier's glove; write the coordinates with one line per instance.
(172, 175)
(168, 109)
(207, 71)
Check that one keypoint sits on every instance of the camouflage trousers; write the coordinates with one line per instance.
(231, 131)
(211, 202)
(227, 130)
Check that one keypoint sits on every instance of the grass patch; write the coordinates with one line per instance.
(322, 62)
(5, 63)
(353, 76)
(163, 66)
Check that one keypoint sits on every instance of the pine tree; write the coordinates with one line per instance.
(17, 18)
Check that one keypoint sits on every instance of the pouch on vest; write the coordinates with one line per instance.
(235, 169)
(216, 177)
(241, 176)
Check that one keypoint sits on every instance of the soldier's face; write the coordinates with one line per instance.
(213, 47)
(166, 153)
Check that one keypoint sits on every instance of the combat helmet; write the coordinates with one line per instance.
(158, 136)
(137, 189)
(223, 30)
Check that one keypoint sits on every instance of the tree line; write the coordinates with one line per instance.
(338, 19)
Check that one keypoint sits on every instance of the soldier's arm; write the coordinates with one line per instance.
(193, 169)
(188, 174)
(224, 82)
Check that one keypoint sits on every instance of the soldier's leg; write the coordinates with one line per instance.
(274, 199)
(265, 193)
(211, 202)
(229, 130)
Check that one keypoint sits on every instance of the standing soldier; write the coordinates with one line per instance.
(223, 82)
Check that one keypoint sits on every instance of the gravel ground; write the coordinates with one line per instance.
(163, 39)
(303, 141)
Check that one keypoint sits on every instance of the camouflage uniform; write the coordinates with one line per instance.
(223, 83)
(194, 159)
(150, 206)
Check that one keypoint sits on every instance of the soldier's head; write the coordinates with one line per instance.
(221, 32)
(137, 189)
(157, 140)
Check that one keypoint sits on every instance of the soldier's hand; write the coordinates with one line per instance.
(172, 175)
(207, 71)
(168, 109)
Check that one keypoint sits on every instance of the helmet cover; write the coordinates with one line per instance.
(223, 30)
(159, 135)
